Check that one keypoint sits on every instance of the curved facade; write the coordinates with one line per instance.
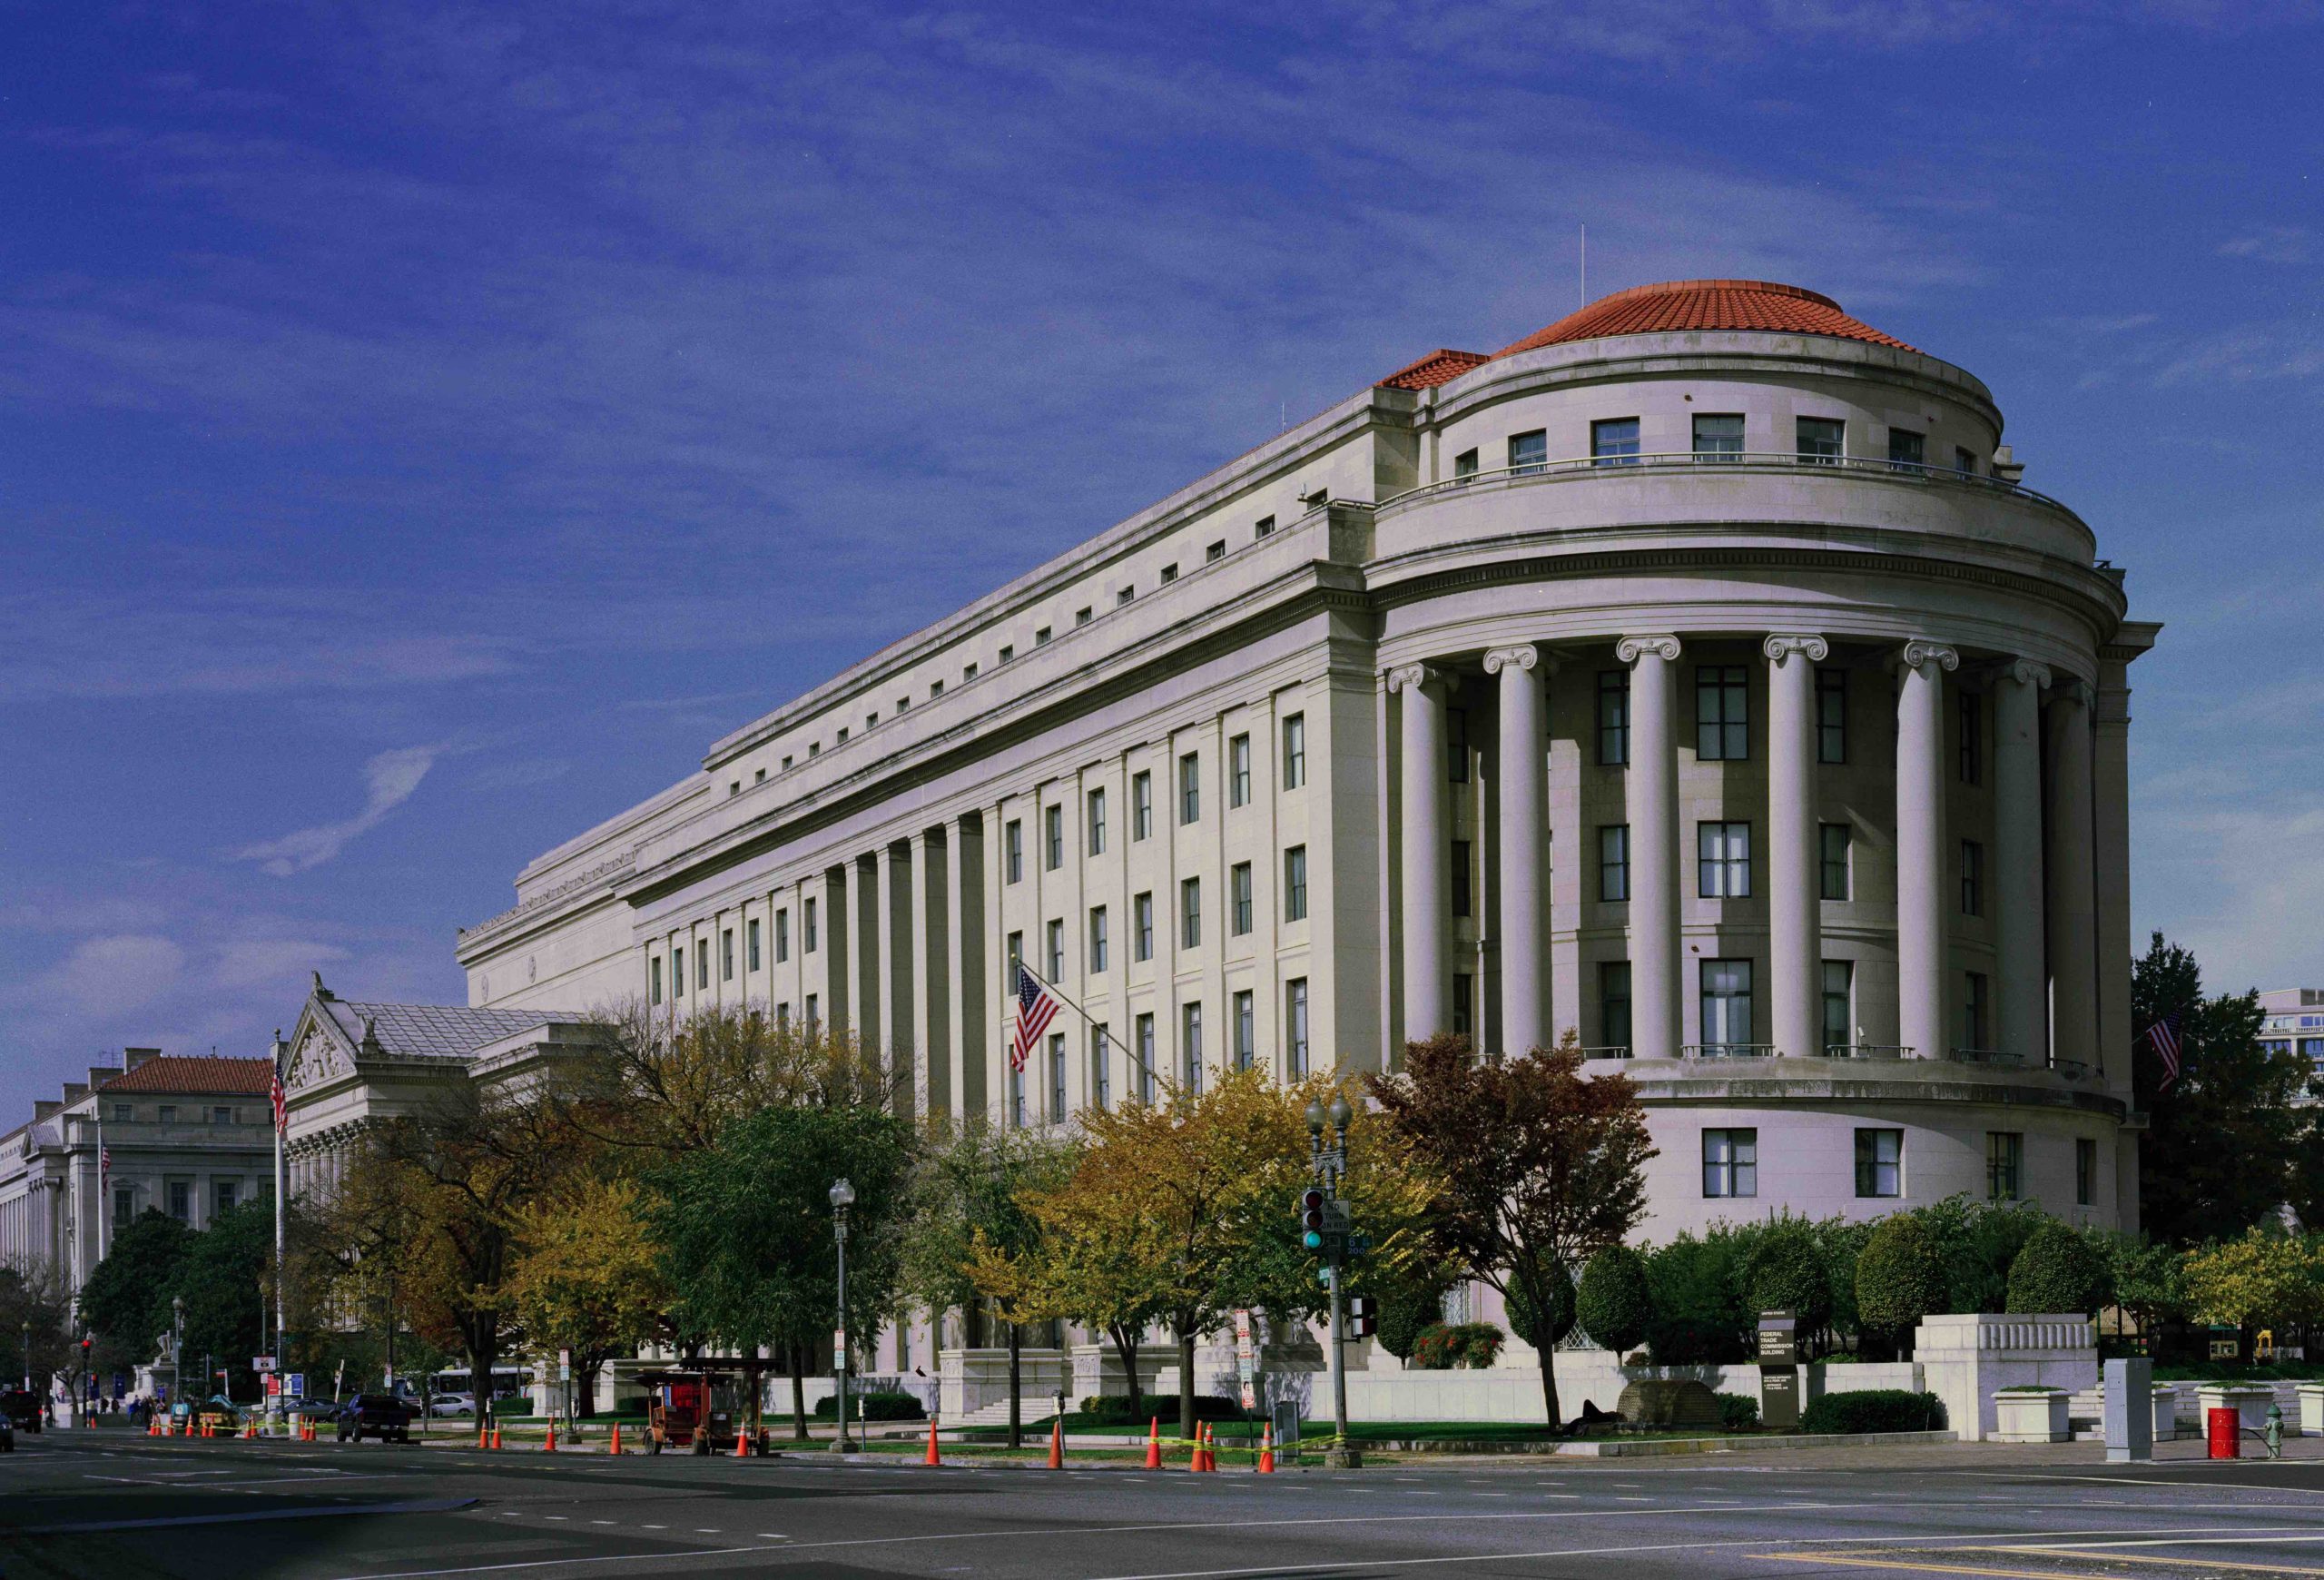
(1695, 676)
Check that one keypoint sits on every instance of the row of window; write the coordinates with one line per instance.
(1723, 864)
(177, 1196)
(1724, 1006)
(1143, 1069)
(1718, 436)
(1723, 720)
(1732, 1164)
(169, 1114)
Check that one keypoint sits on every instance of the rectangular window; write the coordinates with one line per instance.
(1614, 1004)
(1053, 836)
(1141, 917)
(678, 973)
(1719, 435)
(1057, 951)
(968, 672)
(1008, 652)
(1295, 750)
(1295, 997)
(1082, 616)
(1456, 743)
(124, 1206)
(1722, 713)
(1265, 526)
(727, 954)
(1465, 995)
(1238, 878)
(783, 1016)
(1016, 1117)
(1124, 596)
(1141, 806)
(1963, 463)
(1464, 902)
(1214, 553)
(935, 690)
(1190, 1046)
(1012, 850)
(1977, 1025)
(1879, 1162)
(1169, 573)
(1839, 1006)
(1042, 637)
(701, 964)
(1246, 1029)
(783, 934)
(1189, 788)
(1190, 914)
(1822, 440)
(1833, 843)
(815, 1013)
(751, 945)
(1294, 883)
(1101, 1067)
(221, 1116)
(1096, 938)
(840, 739)
(653, 979)
(1056, 1078)
(1238, 771)
(223, 1202)
(1908, 450)
(1972, 737)
(1831, 716)
(1145, 1033)
(2004, 1165)
(1732, 1162)
(1723, 861)
(1614, 862)
(1613, 717)
(182, 1201)
(1527, 453)
(1726, 1004)
(1464, 467)
(1613, 441)
(1972, 878)
(1016, 956)
(123, 1113)
(2085, 1172)
(1095, 812)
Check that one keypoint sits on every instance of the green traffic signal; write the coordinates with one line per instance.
(1313, 1239)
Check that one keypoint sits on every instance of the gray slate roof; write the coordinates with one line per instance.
(435, 1030)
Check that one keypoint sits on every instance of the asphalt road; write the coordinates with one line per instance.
(127, 1508)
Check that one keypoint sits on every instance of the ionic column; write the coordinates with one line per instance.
(1524, 826)
(1426, 811)
(930, 1048)
(892, 886)
(1656, 1022)
(2023, 1027)
(1795, 898)
(2072, 893)
(1920, 847)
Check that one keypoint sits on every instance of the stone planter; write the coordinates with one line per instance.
(2311, 1409)
(2249, 1403)
(2166, 1413)
(2031, 1418)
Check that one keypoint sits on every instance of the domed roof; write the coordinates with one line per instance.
(1673, 306)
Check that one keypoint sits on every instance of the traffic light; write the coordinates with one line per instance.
(1363, 1312)
(1311, 1218)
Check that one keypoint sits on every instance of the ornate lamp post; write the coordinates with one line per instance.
(843, 1198)
(1327, 1157)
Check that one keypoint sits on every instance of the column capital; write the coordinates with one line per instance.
(1404, 676)
(1631, 649)
(2073, 688)
(1777, 649)
(2025, 672)
(1524, 656)
(1920, 650)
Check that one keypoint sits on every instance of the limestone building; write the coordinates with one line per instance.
(1696, 675)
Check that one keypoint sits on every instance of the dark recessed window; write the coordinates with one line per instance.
(1722, 713)
(1822, 440)
(1613, 717)
(1831, 716)
(1613, 441)
(1527, 453)
(1718, 436)
(1908, 450)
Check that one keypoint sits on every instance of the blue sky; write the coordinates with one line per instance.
(423, 431)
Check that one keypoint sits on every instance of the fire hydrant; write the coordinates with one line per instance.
(2273, 1434)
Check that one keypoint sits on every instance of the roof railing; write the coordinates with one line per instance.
(1868, 1051)
(1728, 1051)
(1747, 461)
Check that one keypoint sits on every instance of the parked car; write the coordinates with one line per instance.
(380, 1416)
(318, 1409)
(452, 1405)
(22, 1407)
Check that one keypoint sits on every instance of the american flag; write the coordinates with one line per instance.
(2163, 1037)
(1035, 1008)
(104, 1162)
(280, 1098)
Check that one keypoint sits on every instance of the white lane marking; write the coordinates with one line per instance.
(2167, 1542)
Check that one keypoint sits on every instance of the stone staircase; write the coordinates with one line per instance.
(1029, 1409)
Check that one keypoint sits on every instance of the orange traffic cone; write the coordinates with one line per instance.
(496, 1433)
(614, 1445)
(1153, 1443)
(741, 1443)
(482, 1435)
(1057, 1444)
(931, 1459)
(1266, 1450)
(1202, 1447)
(548, 1443)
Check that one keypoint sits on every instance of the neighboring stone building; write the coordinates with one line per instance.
(187, 1135)
(1695, 675)
(2294, 1023)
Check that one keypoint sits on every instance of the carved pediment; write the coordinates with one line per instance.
(318, 1058)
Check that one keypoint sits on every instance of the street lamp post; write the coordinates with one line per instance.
(177, 1344)
(843, 1198)
(28, 1354)
(1327, 1158)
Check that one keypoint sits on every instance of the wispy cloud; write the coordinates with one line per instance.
(390, 779)
(2271, 244)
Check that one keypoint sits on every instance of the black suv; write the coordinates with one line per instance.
(380, 1416)
(21, 1406)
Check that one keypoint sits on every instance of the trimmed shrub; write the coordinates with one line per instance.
(877, 1407)
(1112, 1409)
(1786, 1272)
(2058, 1270)
(1874, 1410)
(1408, 1308)
(1542, 1330)
(1444, 1347)
(1900, 1275)
(1614, 1305)
(1738, 1413)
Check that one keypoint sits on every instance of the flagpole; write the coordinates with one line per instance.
(1009, 1029)
(282, 1116)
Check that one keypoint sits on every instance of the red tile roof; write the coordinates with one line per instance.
(1673, 306)
(199, 1074)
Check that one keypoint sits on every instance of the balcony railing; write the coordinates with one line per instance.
(1731, 461)
(1990, 1056)
(1728, 1051)
(1611, 1051)
(1866, 1051)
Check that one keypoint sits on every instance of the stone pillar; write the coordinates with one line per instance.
(1426, 837)
(931, 1048)
(1920, 847)
(2111, 843)
(965, 845)
(2023, 1028)
(1794, 896)
(2073, 922)
(1656, 1018)
(894, 882)
(1524, 807)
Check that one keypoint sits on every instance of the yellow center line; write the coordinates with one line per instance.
(1869, 1561)
(2111, 1556)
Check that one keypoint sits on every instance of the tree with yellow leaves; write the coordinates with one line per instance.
(588, 1279)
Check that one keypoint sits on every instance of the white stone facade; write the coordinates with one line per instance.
(1328, 746)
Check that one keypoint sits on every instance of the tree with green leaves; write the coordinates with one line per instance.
(1614, 1302)
(1899, 1278)
(2223, 1137)
(2059, 1269)
(587, 1279)
(1785, 1272)
(34, 1306)
(126, 1302)
(2150, 1281)
(1409, 1304)
(2260, 1279)
(222, 1279)
(1536, 1167)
